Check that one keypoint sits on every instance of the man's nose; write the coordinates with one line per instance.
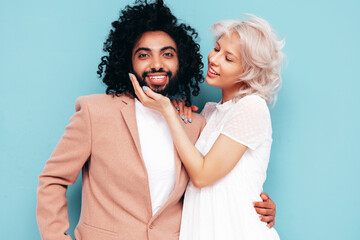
(156, 63)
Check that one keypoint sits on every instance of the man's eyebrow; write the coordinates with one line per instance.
(168, 47)
(142, 49)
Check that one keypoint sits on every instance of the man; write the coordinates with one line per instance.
(132, 178)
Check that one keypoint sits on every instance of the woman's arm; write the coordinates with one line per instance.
(203, 170)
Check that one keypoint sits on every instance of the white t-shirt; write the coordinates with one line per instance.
(158, 153)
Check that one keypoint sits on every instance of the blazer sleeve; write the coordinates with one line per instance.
(61, 170)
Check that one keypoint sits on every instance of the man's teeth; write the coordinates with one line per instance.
(157, 77)
(213, 72)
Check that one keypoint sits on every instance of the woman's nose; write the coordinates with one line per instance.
(213, 60)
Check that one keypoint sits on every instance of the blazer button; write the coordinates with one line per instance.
(151, 226)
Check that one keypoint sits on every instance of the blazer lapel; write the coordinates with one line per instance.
(128, 112)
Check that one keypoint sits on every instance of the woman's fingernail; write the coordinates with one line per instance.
(144, 88)
(130, 76)
(185, 120)
(190, 120)
(182, 117)
(177, 108)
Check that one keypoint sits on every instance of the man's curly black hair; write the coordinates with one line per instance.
(127, 30)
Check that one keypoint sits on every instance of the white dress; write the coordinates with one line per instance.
(224, 210)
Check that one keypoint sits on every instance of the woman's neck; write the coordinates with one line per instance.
(228, 94)
(231, 92)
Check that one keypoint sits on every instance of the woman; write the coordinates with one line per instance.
(227, 166)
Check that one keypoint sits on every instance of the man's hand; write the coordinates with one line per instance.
(266, 208)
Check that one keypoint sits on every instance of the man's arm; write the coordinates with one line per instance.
(266, 208)
(61, 170)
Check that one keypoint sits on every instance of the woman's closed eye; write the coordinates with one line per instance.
(228, 59)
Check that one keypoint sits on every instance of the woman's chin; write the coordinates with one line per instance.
(210, 81)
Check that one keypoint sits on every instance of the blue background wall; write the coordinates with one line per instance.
(49, 52)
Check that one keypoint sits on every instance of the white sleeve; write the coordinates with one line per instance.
(249, 123)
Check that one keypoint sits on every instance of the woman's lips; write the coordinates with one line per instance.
(211, 73)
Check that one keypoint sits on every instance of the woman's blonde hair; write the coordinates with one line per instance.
(261, 54)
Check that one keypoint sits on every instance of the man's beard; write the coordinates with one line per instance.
(170, 88)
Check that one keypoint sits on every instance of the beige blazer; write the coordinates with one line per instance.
(102, 140)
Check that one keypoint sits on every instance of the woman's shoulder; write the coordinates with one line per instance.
(210, 105)
(208, 109)
(252, 101)
(253, 105)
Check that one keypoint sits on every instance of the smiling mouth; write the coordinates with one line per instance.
(157, 80)
(213, 72)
